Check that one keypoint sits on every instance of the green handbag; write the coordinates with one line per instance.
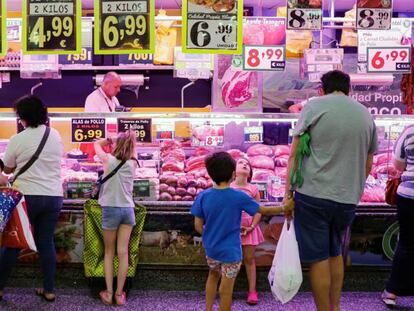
(93, 252)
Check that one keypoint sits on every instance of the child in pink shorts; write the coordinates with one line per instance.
(251, 235)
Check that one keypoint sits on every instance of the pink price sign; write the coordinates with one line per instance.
(214, 140)
(389, 59)
(264, 58)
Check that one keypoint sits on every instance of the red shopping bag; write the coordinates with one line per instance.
(18, 231)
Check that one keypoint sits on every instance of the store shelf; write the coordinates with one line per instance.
(89, 68)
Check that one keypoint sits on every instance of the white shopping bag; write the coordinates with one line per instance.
(285, 276)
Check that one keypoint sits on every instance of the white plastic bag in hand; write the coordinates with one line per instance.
(285, 276)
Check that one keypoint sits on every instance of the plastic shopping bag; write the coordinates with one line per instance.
(285, 276)
(18, 231)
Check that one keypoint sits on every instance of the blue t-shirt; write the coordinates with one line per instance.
(221, 211)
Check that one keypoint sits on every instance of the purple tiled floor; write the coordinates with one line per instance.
(17, 299)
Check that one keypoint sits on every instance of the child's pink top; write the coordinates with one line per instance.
(255, 237)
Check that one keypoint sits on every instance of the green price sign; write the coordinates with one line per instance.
(212, 27)
(51, 27)
(3, 29)
(124, 26)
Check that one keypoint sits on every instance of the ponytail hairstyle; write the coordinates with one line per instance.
(125, 146)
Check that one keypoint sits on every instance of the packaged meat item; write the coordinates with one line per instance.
(178, 198)
(236, 154)
(164, 196)
(164, 187)
(173, 166)
(262, 174)
(280, 150)
(173, 155)
(172, 180)
(169, 144)
(192, 191)
(282, 161)
(182, 182)
(192, 183)
(259, 149)
(171, 190)
(188, 198)
(262, 161)
(146, 172)
(181, 191)
(200, 151)
(195, 160)
(197, 172)
(201, 183)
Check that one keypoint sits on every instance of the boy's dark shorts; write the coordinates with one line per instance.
(320, 225)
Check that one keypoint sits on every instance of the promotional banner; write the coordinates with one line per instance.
(124, 26)
(398, 36)
(3, 29)
(264, 42)
(212, 27)
(304, 15)
(51, 27)
(374, 14)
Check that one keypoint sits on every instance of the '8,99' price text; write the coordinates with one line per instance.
(302, 19)
(269, 58)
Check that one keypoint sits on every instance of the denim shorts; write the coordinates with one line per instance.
(320, 226)
(113, 217)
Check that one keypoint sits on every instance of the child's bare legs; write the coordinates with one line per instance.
(211, 288)
(250, 264)
(226, 293)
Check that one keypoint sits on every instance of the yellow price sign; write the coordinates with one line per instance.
(124, 27)
(88, 129)
(51, 26)
(141, 127)
(3, 29)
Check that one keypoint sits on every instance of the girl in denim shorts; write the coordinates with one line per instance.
(118, 217)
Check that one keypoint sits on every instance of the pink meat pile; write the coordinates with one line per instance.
(172, 157)
(186, 184)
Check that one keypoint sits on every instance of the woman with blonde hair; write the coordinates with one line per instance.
(118, 217)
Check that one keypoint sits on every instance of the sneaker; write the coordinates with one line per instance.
(120, 299)
(388, 298)
(106, 297)
(252, 298)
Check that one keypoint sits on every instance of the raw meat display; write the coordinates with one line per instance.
(281, 172)
(182, 182)
(280, 150)
(259, 149)
(173, 166)
(384, 168)
(373, 194)
(145, 172)
(192, 191)
(164, 187)
(164, 196)
(235, 87)
(262, 161)
(172, 156)
(169, 144)
(201, 151)
(382, 158)
(181, 191)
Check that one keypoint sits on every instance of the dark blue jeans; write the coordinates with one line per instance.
(43, 214)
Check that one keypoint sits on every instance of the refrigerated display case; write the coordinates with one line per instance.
(171, 149)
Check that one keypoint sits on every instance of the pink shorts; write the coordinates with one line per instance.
(228, 270)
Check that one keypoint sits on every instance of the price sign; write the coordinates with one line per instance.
(391, 60)
(84, 58)
(213, 27)
(319, 61)
(303, 15)
(3, 27)
(135, 59)
(124, 26)
(88, 129)
(142, 128)
(264, 58)
(79, 189)
(253, 134)
(374, 17)
(51, 27)
(213, 141)
(165, 131)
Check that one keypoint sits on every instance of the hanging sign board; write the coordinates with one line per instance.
(51, 27)
(389, 60)
(3, 29)
(84, 58)
(142, 128)
(304, 15)
(398, 36)
(88, 129)
(374, 15)
(212, 27)
(124, 26)
(320, 61)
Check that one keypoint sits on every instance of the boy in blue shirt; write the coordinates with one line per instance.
(217, 214)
